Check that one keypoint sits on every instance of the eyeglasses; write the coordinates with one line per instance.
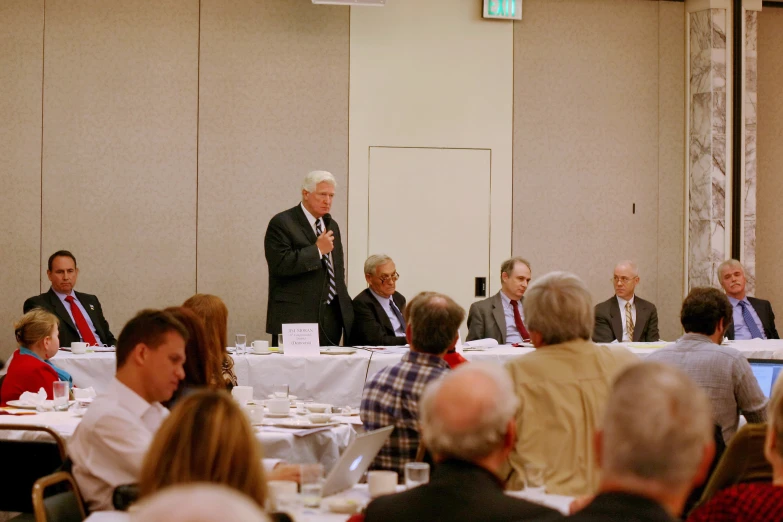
(623, 280)
(386, 278)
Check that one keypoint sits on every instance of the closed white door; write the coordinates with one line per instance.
(429, 209)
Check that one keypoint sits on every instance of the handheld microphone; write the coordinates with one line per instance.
(327, 220)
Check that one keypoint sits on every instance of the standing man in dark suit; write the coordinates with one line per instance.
(378, 309)
(81, 315)
(625, 317)
(752, 318)
(304, 252)
(501, 317)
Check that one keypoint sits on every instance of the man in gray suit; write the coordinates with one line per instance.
(625, 317)
(501, 316)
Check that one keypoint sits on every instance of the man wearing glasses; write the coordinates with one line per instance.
(378, 309)
(625, 317)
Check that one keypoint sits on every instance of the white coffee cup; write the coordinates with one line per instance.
(242, 394)
(279, 406)
(255, 412)
(260, 346)
(78, 347)
(381, 482)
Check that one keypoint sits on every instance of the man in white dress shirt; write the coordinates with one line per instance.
(625, 317)
(109, 445)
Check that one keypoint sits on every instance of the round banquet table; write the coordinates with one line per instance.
(339, 379)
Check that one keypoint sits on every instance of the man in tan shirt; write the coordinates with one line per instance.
(563, 387)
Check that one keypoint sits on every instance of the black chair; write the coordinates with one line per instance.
(27, 461)
(124, 495)
(65, 505)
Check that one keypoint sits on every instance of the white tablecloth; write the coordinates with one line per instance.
(324, 446)
(360, 495)
(337, 379)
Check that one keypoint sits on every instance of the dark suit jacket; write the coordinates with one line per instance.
(764, 310)
(371, 325)
(297, 277)
(609, 324)
(68, 332)
(613, 507)
(487, 320)
(458, 491)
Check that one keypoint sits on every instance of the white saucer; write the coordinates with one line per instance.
(300, 424)
(251, 352)
(277, 415)
(338, 351)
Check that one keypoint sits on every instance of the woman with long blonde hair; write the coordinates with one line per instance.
(205, 439)
(213, 311)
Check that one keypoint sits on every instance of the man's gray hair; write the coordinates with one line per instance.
(559, 307)
(729, 263)
(374, 261)
(315, 177)
(656, 425)
(468, 419)
(630, 264)
(508, 265)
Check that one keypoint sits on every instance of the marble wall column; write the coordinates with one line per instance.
(750, 31)
(708, 228)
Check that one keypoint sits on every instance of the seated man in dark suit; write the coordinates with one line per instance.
(655, 445)
(501, 317)
(81, 315)
(625, 317)
(377, 310)
(752, 318)
(467, 423)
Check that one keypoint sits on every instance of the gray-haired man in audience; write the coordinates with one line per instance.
(655, 445)
(723, 372)
(467, 423)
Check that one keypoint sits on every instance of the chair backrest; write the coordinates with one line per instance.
(65, 505)
(26, 461)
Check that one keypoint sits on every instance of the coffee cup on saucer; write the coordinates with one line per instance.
(78, 347)
(260, 346)
(279, 406)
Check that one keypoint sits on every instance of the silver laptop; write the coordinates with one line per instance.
(355, 460)
(766, 372)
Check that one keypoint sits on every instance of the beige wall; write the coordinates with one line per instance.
(599, 126)
(21, 61)
(769, 152)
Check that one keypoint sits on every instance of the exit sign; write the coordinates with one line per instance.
(504, 9)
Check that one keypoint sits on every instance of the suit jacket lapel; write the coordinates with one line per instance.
(642, 313)
(304, 223)
(500, 317)
(380, 312)
(615, 319)
(90, 309)
(60, 310)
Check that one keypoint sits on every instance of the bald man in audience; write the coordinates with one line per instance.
(501, 316)
(467, 423)
(625, 317)
(752, 318)
(654, 446)
(562, 386)
(722, 371)
(109, 444)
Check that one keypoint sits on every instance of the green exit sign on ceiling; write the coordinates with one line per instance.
(503, 9)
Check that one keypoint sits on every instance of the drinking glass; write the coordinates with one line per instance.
(416, 474)
(534, 479)
(280, 391)
(312, 484)
(60, 393)
(240, 344)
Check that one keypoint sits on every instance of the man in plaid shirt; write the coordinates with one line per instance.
(391, 396)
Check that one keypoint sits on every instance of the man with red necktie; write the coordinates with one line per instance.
(501, 317)
(81, 315)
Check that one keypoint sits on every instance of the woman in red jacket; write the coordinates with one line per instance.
(38, 336)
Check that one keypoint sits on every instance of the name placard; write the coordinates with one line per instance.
(301, 339)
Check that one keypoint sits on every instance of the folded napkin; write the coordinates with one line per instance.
(83, 393)
(480, 343)
(34, 399)
(296, 432)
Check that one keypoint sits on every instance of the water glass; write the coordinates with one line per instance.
(60, 394)
(241, 343)
(312, 484)
(534, 479)
(416, 474)
(280, 391)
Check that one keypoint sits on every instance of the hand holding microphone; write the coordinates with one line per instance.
(325, 242)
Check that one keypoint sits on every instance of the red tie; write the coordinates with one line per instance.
(518, 320)
(81, 323)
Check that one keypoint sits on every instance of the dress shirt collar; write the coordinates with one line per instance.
(424, 359)
(689, 339)
(506, 300)
(621, 302)
(383, 300)
(130, 400)
(63, 296)
(734, 301)
(310, 218)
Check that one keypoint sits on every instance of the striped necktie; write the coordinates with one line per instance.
(328, 263)
(750, 322)
(629, 320)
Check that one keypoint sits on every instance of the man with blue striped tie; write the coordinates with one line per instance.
(752, 318)
(304, 252)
